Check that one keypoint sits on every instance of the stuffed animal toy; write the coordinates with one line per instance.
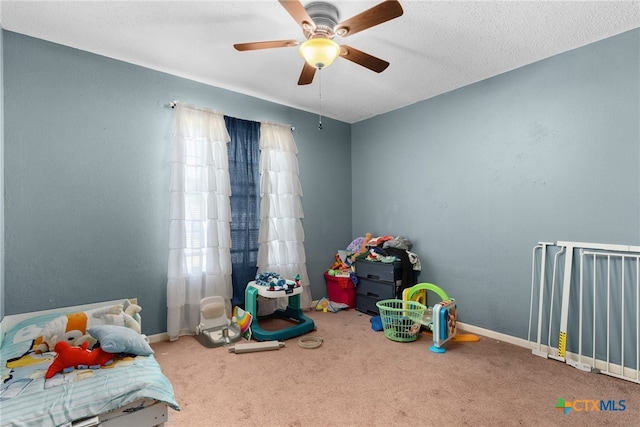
(68, 357)
(339, 264)
(72, 328)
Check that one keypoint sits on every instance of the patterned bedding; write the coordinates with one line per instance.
(27, 399)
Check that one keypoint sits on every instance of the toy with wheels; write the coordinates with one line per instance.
(441, 319)
(284, 288)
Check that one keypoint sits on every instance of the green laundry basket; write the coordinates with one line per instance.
(401, 320)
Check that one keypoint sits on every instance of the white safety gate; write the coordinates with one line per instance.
(585, 306)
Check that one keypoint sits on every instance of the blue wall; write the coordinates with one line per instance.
(476, 177)
(1, 178)
(87, 149)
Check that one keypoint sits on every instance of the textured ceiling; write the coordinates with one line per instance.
(433, 48)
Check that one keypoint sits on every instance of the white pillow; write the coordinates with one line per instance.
(120, 339)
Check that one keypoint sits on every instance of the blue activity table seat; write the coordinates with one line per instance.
(291, 312)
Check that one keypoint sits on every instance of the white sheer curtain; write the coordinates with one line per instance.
(200, 214)
(281, 241)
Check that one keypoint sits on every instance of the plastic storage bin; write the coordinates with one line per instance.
(341, 289)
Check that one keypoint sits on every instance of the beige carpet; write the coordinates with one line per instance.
(360, 378)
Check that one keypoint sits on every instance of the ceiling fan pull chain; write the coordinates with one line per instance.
(320, 98)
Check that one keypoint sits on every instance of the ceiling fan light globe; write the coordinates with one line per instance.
(319, 52)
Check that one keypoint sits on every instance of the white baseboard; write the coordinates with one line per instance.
(462, 326)
(494, 335)
(158, 337)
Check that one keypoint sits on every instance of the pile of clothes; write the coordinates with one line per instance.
(385, 249)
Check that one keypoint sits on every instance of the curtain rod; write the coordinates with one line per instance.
(174, 104)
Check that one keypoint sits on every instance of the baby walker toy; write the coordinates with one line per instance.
(441, 319)
(271, 285)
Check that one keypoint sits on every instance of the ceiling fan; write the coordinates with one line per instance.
(320, 24)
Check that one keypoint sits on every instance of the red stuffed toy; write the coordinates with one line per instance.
(68, 356)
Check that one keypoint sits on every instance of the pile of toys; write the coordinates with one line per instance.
(344, 264)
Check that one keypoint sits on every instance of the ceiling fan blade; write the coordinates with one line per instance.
(299, 13)
(265, 45)
(306, 76)
(368, 61)
(383, 12)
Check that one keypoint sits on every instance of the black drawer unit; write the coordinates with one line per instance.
(367, 305)
(376, 281)
(384, 271)
(376, 289)
(368, 292)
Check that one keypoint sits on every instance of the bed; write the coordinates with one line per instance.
(130, 391)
